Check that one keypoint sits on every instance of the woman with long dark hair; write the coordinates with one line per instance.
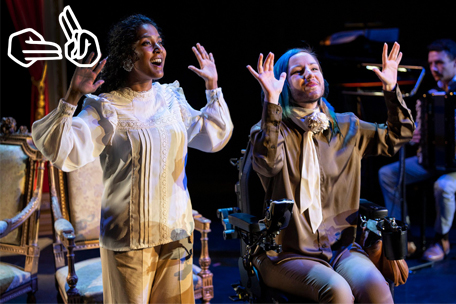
(141, 130)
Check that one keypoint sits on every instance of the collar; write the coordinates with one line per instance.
(452, 83)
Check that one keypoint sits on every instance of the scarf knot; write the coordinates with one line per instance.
(316, 122)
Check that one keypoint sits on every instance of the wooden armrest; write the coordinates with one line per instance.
(21, 217)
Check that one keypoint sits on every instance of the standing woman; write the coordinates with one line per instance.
(304, 151)
(141, 130)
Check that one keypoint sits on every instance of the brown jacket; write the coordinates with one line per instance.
(277, 146)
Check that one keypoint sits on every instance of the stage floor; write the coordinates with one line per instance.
(436, 284)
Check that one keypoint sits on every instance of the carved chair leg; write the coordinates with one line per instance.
(31, 297)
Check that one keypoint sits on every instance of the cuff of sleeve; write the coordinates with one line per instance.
(65, 108)
(213, 95)
(393, 98)
(272, 114)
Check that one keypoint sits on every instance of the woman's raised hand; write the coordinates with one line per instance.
(390, 63)
(207, 69)
(271, 86)
(83, 81)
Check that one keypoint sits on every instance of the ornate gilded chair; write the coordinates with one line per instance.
(22, 170)
(76, 205)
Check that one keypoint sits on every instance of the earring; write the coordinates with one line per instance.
(128, 65)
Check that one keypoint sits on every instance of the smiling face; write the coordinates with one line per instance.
(305, 79)
(441, 66)
(151, 54)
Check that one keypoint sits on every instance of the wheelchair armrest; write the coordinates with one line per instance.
(371, 210)
(246, 222)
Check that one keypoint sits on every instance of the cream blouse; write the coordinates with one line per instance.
(142, 140)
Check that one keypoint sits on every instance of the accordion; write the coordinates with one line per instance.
(438, 123)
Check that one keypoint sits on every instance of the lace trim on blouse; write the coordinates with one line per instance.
(65, 108)
(130, 94)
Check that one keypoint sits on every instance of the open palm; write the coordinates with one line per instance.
(83, 81)
(390, 64)
(271, 86)
(207, 70)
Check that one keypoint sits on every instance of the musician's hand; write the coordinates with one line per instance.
(416, 136)
(417, 133)
(390, 63)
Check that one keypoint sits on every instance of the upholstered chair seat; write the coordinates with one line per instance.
(12, 276)
(92, 284)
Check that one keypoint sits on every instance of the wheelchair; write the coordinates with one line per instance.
(257, 222)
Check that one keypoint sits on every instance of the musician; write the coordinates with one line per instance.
(442, 64)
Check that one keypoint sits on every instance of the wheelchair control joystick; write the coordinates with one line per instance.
(392, 231)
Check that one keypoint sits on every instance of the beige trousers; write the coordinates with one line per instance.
(161, 274)
(354, 277)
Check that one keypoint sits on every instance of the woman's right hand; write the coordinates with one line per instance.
(271, 86)
(83, 81)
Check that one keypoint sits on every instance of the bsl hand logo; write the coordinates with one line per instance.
(76, 47)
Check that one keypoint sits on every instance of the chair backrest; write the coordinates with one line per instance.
(79, 200)
(249, 190)
(21, 175)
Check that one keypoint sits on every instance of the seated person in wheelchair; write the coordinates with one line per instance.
(305, 152)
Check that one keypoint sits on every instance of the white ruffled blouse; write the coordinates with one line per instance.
(142, 140)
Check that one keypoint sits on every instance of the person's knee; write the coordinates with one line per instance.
(439, 186)
(337, 290)
(384, 171)
(374, 290)
(386, 175)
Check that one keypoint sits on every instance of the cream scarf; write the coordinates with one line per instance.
(313, 122)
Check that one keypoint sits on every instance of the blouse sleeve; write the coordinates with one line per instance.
(71, 142)
(386, 139)
(268, 142)
(210, 128)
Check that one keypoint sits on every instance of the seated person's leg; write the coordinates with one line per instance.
(367, 283)
(389, 177)
(305, 278)
(444, 190)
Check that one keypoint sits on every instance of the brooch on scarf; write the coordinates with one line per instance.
(316, 122)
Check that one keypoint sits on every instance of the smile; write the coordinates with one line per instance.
(157, 61)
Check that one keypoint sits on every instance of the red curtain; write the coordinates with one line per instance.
(30, 14)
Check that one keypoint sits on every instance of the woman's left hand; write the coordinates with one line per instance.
(207, 69)
(390, 63)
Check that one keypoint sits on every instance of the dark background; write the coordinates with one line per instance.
(236, 32)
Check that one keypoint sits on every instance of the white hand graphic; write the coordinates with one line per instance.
(76, 39)
(37, 39)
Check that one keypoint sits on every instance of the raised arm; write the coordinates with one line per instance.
(266, 136)
(71, 142)
(386, 139)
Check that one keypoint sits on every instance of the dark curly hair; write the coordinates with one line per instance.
(121, 38)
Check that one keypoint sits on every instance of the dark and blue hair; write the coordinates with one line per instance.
(284, 99)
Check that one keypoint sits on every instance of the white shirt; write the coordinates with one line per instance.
(142, 140)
